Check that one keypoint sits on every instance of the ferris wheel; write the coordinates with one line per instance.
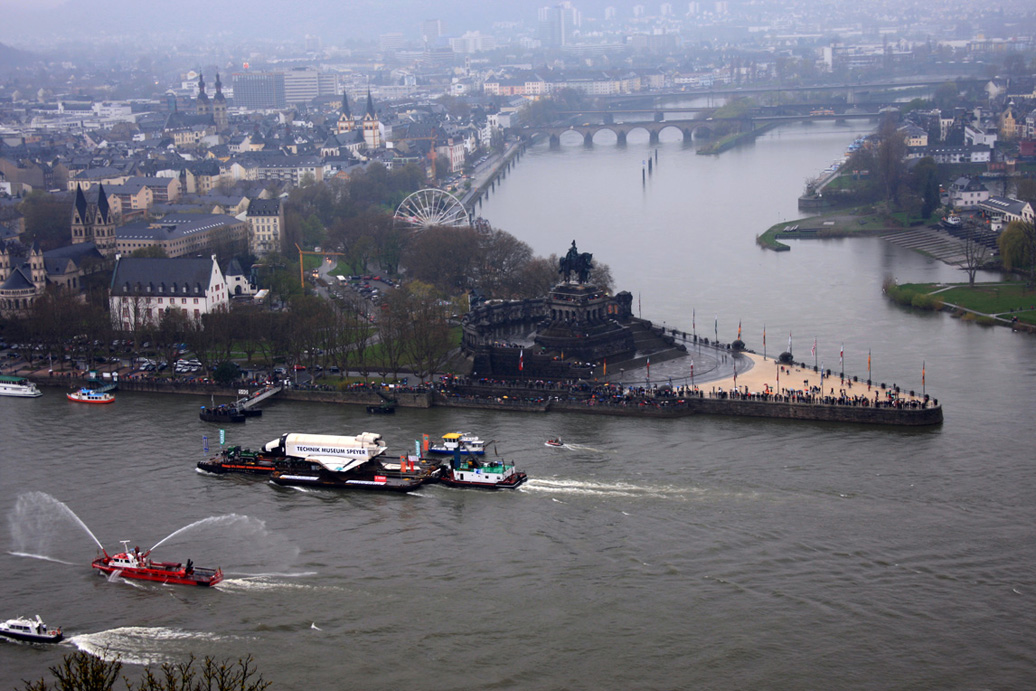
(431, 207)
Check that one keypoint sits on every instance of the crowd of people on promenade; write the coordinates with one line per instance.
(539, 392)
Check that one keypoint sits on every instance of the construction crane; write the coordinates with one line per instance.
(302, 268)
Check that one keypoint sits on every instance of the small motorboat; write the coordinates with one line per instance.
(464, 442)
(139, 565)
(555, 441)
(85, 395)
(33, 630)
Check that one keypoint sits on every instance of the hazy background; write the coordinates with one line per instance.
(24, 21)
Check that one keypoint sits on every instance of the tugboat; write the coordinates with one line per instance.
(343, 462)
(32, 630)
(481, 474)
(468, 444)
(134, 564)
(85, 395)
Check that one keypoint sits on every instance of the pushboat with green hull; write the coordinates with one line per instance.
(480, 473)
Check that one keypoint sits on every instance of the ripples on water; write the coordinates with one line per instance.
(692, 553)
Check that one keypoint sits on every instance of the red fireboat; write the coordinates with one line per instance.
(134, 564)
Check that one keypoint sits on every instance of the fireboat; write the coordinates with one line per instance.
(134, 564)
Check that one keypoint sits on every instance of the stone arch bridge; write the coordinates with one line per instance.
(688, 128)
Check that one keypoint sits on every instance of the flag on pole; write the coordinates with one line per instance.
(716, 328)
(813, 350)
(606, 367)
(789, 341)
(521, 359)
(649, 367)
(694, 328)
(735, 374)
(764, 335)
(922, 372)
(739, 329)
(841, 357)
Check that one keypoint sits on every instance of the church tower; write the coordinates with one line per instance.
(345, 120)
(37, 269)
(94, 222)
(219, 106)
(371, 126)
(203, 106)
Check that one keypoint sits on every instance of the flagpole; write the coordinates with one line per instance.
(922, 378)
(764, 341)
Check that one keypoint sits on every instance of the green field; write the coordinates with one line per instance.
(1005, 300)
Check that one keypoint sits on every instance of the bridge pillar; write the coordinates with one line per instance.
(653, 136)
(555, 141)
(588, 139)
(621, 137)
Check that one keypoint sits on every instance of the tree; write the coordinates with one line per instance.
(925, 181)
(47, 219)
(427, 336)
(150, 251)
(443, 256)
(975, 254)
(81, 671)
(1017, 245)
(891, 152)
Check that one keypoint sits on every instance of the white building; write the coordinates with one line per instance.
(144, 290)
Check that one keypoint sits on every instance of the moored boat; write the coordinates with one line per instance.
(477, 473)
(18, 387)
(85, 395)
(139, 565)
(32, 630)
(221, 414)
(467, 444)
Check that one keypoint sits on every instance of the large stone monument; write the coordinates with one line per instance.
(556, 336)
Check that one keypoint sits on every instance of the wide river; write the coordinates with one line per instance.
(658, 554)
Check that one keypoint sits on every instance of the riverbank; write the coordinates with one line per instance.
(762, 388)
(857, 222)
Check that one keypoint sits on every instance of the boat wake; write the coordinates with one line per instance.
(581, 447)
(142, 645)
(44, 557)
(613, 489)
(266, 583)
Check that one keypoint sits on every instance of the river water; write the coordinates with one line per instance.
(656, 554)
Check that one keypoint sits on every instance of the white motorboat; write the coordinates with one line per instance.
(33, 630)
(18, 386)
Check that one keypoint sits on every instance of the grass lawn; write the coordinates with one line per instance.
(1003, 299)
